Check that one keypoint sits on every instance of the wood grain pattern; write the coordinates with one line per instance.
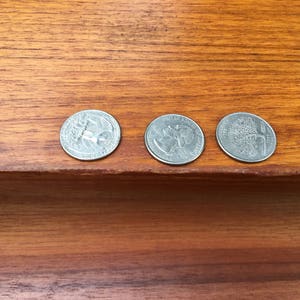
(129, 227)
(82, 238)
(137, 60)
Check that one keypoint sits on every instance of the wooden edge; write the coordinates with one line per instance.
(144, 180)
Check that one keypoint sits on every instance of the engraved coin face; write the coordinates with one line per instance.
(174, 139)
(246, 137)
(90, 135)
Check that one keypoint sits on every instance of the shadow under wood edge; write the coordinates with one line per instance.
(145, 185)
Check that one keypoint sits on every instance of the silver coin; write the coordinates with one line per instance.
(246, 137)
(90, 135)
(174, 139)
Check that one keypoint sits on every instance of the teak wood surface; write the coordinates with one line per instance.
(127, 226)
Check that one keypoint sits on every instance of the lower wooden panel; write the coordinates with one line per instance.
(153, 237)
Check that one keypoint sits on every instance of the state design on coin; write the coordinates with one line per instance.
(174, 139)
(246, 137)
(90, 135)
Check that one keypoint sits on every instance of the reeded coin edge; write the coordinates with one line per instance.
(241, 159)
(170, 162)
(92, 158)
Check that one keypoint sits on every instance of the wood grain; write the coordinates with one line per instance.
(129, 227)
(138, 60)
(170, 238)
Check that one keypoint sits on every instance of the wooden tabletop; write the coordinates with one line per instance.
(127, 226)
(138, 60)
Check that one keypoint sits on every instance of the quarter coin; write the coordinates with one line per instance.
(174, 139)
(246, 137)
(90, 135)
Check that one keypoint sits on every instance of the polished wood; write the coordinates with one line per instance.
(138, 60)
(129, 227)
(162, 238)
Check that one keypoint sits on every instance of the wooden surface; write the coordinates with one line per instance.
(129, 227)
(140, 59)
(78, 238)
